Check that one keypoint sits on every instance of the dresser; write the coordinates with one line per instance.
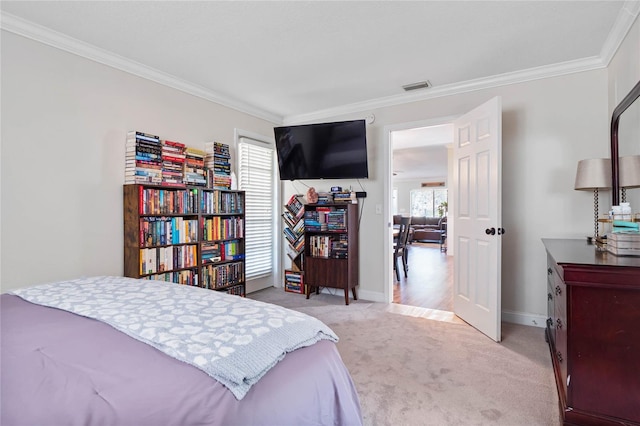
(593, 331)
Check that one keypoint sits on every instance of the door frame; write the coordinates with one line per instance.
(388, 185)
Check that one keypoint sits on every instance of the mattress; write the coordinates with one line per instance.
(61, 368)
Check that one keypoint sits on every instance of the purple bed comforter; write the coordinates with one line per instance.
(58, 368)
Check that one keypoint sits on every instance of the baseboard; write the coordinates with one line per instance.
(524, 318)
(372, 296)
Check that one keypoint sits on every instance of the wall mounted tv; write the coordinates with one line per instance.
(336, 150)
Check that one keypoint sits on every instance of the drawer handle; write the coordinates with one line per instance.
(549, 296)
(559, 356)
(550, 322)
(559, 324)
(558, 290)
(549, 271)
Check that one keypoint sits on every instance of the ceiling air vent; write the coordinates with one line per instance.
(413, 86)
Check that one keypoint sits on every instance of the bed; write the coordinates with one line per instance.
(65, 368)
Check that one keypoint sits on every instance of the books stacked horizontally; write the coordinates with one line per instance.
(340, 247)
(217, 163)
(336, 220)
(173, 157)
(325, 197)
(625, 243)
(293, 281)
(143, 158)
(194, 172)
(345, 197)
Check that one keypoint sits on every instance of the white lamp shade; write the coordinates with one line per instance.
(630, 171)
(593, 173)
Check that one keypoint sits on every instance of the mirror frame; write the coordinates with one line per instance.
(615, 119)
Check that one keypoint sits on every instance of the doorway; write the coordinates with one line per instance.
(419, 175)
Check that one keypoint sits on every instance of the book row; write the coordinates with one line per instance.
(168, 201)
(218, 202)
(186, 277)
(160, 231)
(222, 228)
(161, 201)
(328, 246)
(216, 276)
(221, 251)
(327, 219)
(161, 259)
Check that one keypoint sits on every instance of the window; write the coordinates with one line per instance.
(256, 178)
(425, 202)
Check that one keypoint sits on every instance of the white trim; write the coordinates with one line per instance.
(524, 318)
(623, 24)
(530, 74)
(239, 134)
(627, 16)
(388, 187)
(61, 41)
(371, 296)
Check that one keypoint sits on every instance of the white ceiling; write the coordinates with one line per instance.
(297, 61)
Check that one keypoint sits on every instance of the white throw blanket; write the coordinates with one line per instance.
(233, 339)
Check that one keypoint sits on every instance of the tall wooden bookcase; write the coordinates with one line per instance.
(331, 254)
(187, 235)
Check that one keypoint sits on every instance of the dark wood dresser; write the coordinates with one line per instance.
(593, 331)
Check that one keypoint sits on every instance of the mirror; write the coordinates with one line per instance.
(629, 136)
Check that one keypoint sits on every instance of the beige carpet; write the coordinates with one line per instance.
(415, 371)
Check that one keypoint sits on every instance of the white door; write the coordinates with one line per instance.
(478, 215)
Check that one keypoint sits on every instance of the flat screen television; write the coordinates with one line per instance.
(336, 150)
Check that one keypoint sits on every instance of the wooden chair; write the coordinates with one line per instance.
(400, 246)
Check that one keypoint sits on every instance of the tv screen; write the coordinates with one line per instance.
(335, 150)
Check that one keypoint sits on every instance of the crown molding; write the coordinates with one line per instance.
(60, 41)
(626, 17)
(530, 74)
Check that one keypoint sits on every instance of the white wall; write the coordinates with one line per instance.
(64, 124)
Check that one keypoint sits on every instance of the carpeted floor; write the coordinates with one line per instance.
(415, 371)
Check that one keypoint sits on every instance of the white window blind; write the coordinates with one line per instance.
(255, 177)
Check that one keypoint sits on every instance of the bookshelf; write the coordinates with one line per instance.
(187, 235)
(331, 247)
(293, 231)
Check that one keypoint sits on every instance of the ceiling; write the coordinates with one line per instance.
(300, 61)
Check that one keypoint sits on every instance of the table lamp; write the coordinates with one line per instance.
(594, 174)
(629, 174)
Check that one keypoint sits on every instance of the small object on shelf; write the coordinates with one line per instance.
(312, 195)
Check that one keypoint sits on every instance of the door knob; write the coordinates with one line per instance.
(501, 231)
(490, 231)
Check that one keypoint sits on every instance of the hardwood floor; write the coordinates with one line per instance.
(429, 282)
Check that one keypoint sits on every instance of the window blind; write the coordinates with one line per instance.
(256, 178)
